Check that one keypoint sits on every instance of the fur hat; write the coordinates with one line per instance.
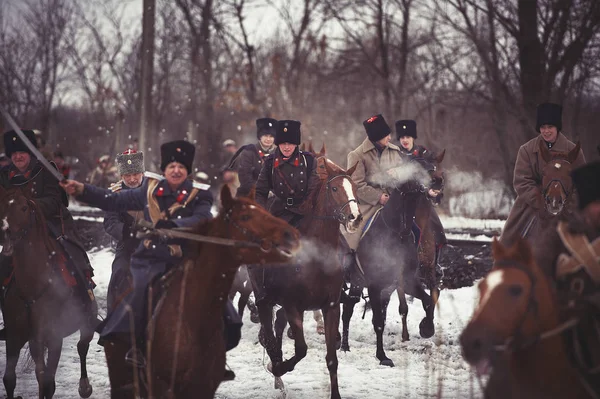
(177, 151)
(549, 114)
(265, 126)
(585, 179)
(288, 131)
(406, 127)
(376, 127)
(12, 142)
(130, 162)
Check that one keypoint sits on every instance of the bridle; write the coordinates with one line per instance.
(567, 193)
(517, 341)
(253, 239)
(338, 212)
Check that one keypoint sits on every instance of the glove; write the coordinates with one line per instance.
(165, 224)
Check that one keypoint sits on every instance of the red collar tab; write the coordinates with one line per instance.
(182, 196)
(160, 192)
(416, 152)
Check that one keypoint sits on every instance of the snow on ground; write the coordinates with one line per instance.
(458, 222)
(425, 368)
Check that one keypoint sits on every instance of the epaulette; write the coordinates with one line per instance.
(195, 184)
(115, 187)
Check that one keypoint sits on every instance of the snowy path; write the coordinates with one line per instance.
(423, 367)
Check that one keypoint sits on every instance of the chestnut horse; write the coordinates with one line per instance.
(517, 331)
(316, 281)
(39, 306)
(186, 346)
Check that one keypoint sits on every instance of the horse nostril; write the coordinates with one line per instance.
(288, 236)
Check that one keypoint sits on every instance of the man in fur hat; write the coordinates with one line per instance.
(290, 174)
(248, 160)
(120, 225)
(527, 179)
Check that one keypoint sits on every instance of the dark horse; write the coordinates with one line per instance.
(516, 331)
(186, 346)
(39, 306)
(316, 281)
(387, 261)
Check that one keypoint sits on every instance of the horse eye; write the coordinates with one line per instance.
(24, 208)
(245, 218)
(334, 188)
(515, 290)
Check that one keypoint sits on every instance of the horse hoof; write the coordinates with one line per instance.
(386, 362)
(345, 348)
(290, 333)
(405, 337)
(85, 389)
(278, 384)
(254, 318)
(426, 328)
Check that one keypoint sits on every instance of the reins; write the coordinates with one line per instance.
(337, 212)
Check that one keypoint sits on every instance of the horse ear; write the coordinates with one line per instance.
(323, 151)
(330, 171)
(226, 198)
(546, 156)
(310, 147)
(574, 153)
(498, 249)
(350, 171)
(440, 157)
(252, 193)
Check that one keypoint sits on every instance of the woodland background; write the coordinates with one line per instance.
(470, 72)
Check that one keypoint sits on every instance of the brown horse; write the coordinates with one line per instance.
(516, 329)
(557, 185)
(39, 306)
(316, 281)
(186, 346)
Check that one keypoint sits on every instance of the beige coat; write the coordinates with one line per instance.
(370, 172)
(527, 182)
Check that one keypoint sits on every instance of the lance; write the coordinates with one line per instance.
(31, 146)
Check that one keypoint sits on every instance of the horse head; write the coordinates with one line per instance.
(17, 213)
(557, 184)
(431, 163)
(514, 309)
(249, 222)
(337, 195)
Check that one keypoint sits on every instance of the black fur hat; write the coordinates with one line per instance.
(585, 179)
(288, 131)
(376, 127)
(12, 142)
(549, 114)
(406, 127)
(265, 126)
(177, 151)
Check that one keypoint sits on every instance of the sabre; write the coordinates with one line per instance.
(31, 146)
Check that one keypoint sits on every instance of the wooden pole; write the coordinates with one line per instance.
(148, 17)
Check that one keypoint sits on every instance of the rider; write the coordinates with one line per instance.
(290, 174)
(172, 201)
(248, 161)
(29, 175)
(527, 179)
(120, 225)
(406, 133)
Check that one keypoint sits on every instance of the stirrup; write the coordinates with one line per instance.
(135, 358)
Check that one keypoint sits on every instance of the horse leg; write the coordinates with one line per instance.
(253, 311)
(54, 352)
(86, 334)
(379, 308)
(295, 319)
(332, 325)
(120, 374)
(13, 349)
(266, 336)
(36, 348)
(348, 304)
(426, 326)
(403, 310)
(318, 316)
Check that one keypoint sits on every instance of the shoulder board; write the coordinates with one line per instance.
(116, 186)
(195, 184)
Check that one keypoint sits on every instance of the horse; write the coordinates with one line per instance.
(387, 260)
(516, 329)
(185, 345)
(241, 284)
(39, 306)
(316, 280)
(557, 185)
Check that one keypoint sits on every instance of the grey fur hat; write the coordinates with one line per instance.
(130, 162)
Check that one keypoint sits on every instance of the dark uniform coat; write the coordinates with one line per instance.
(248, 165)
(185, 206)
(119, 225)
(52, 200)
(527, 182)
(290, 180)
